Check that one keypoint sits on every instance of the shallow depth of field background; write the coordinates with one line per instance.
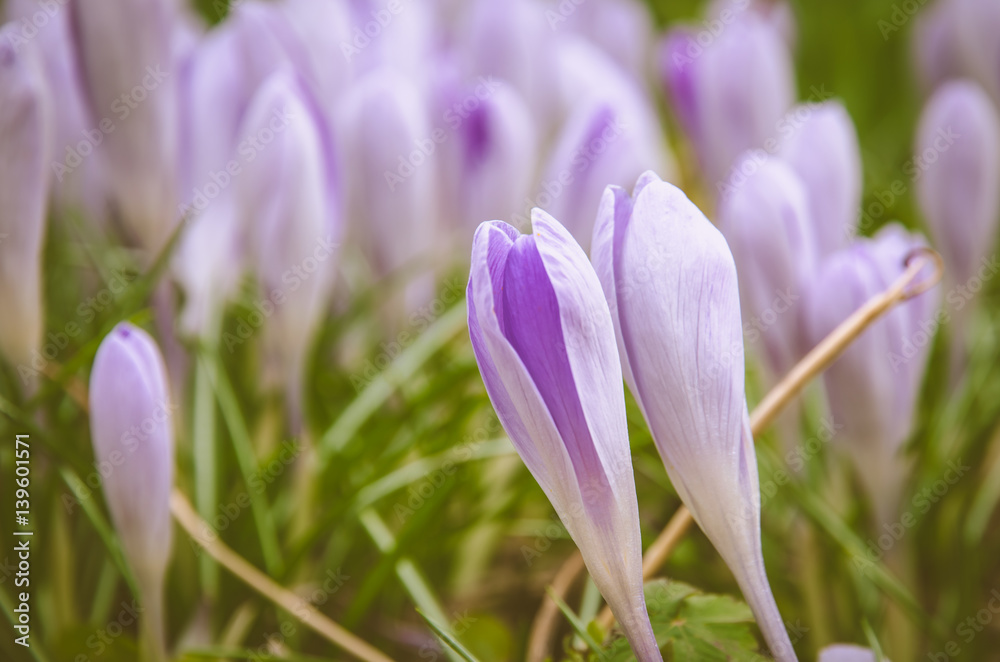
(426, 479)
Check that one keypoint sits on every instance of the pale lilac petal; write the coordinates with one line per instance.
(129, 71)
(872, 388)
(512, 41)
(677, 303)
(959, 137)
(766, 219)
(977, 23)
(846, 653)
(132, 430)
(935, 46)
(488, 153)
(26, 127)
(391, 184)
(823, 150)
(741, 82)
(290, 196)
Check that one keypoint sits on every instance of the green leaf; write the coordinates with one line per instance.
(690, 625)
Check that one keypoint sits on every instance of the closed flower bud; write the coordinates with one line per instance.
(621, 28)
(290, 196)
(544, 341)
(873, 387)
(132, 430)
(611, 135)
(823, 150)
(126, 57)
(730, 94)
(513, 41)
(959, 138)
(215, 91)
(488, 159)
(77, 184)
(671, 284)
(25, 144)
(767, 222)
(935, 46)
(977, 23)
(386, 138)
(846, 653)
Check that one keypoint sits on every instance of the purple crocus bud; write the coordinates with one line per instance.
(731, 93)
(620, 28)
(977, 23)
(389, 142)
(935, 46)
(822, 148)
(290, 195)
(512, 41)
(398, 35)
(77, 184)
(26, 128)
(611, 135)
(959, 133)
(126, 58)
(208, 260)
(671, 284)
(846, 653)
(544, 341)
(131, 427)
(325, 30)
(721, 13)
(488, 159)
(873, 387)
(766, 220)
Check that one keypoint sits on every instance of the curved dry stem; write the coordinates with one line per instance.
(311, 617)
(545, 621)
(816, 361)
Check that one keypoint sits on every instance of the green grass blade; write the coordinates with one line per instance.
(578, 625)
(447, 638)
(245, 457)
(378, 391)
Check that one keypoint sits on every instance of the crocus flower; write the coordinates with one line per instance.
(977, 23)
(512, 41)
(26, 127)
(132, 430)
(846, 653)
(387, 138)
(215, 91)
(77, 184)
(671, 284)
(325, 30)
(488, 159)
(730, 94)
(290, 195)
(400, 36)
(767, 222)
(935, 45)
(959, 136)
(125, 54)
(822, 148)
(610, 136)
(873, 387)
(544, 341)
(620, 28)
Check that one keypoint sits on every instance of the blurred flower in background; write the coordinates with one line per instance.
(288, 190)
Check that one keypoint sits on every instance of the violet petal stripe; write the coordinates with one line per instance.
(544, 341)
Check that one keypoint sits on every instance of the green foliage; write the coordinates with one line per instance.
(691, 625)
